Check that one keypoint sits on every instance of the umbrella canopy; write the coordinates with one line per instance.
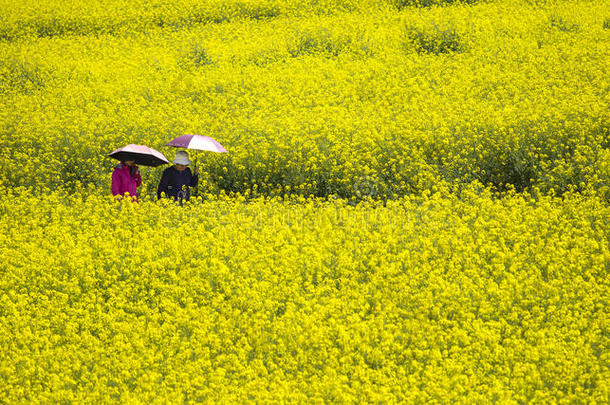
(197, 142)
(142, 154)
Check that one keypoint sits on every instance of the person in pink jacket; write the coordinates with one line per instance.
(126, 179)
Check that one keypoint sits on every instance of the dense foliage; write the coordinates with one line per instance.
(414, 206)
(314, 98)
(440, 297)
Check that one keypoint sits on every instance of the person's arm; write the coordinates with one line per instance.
(116, 182)
(195, 178)
(163, 184)
(138, 177)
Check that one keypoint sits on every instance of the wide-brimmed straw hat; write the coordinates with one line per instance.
(182, 158)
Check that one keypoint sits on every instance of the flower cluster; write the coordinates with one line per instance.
(316, 98)
(435, 298)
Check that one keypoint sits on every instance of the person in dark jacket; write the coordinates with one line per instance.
(177, 180)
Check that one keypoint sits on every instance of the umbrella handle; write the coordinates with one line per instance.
(196, 190)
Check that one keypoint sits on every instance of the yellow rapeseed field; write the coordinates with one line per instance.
(315, 96)
(415, 206)
(432, 298)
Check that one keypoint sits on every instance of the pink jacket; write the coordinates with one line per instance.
(123, 182)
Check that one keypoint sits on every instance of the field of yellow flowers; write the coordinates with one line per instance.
(438, 297)
(415, 206)
(313, 96)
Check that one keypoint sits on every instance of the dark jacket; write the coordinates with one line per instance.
(177, 184)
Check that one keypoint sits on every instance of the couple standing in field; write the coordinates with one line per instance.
(175, 182)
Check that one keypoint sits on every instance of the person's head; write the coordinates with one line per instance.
(181, 161)
(130, 162)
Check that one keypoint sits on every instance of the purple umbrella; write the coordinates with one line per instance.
(197, 142)
(142, 154)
